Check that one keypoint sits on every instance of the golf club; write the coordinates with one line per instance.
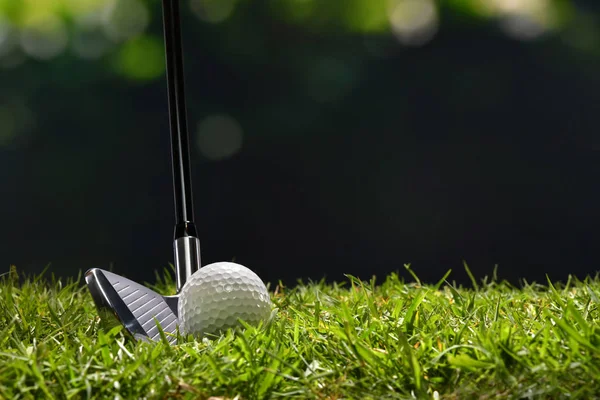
(136, 307)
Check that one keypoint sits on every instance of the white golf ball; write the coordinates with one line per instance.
(219, 294)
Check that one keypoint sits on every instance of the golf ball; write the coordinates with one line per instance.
(219, 294)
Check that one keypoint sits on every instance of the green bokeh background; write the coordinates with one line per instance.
(342, 130)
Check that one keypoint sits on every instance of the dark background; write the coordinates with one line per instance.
(326, 140)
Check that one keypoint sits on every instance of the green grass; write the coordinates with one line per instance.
(352, 340)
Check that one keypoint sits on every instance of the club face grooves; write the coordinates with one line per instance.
(138, 311)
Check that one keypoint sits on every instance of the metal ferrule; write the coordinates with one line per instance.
(187, 258)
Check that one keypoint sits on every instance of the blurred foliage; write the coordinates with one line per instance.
(92, 29)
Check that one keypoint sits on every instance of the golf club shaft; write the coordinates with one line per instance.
(186, 243)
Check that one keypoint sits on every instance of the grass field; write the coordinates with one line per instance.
(353, 340)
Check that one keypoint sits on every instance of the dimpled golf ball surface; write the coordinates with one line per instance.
(219, 294)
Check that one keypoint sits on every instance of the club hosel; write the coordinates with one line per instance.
(184, 229)
(186, 247)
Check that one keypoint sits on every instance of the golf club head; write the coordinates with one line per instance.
(136, 307)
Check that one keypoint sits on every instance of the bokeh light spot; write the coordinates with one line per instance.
(219, 137)
(89, 13)
(125, 19)
(7, 33)
(522, 26)
(213, 11)
(366, 16)
(142, 58)
(523, 19)
(44, 39)
(90, 43)
(414, 22)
